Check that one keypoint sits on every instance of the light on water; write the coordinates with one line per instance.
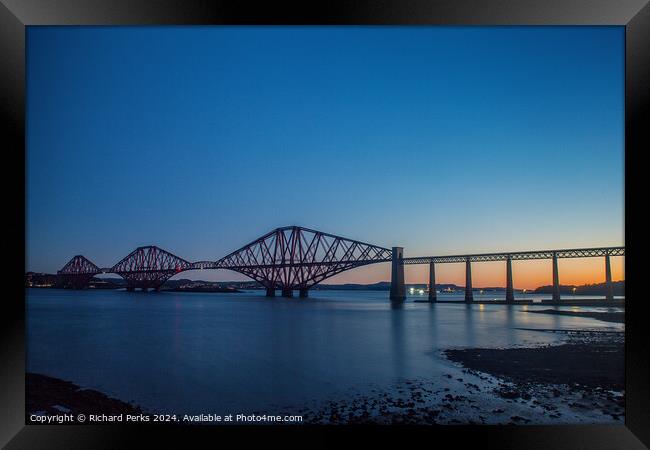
(190, 352)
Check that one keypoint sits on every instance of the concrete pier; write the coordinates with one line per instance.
(287, 292)
(609, 289)
(270, 292)
(510, 292)
(303, 293)
(432, 282)
(556, 279)
(397, 286)
(469, 295)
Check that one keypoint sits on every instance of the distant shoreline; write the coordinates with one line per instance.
(47, 281)
(203, 289)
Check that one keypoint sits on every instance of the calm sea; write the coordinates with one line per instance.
(223, 353)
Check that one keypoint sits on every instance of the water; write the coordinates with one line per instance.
(223, 353)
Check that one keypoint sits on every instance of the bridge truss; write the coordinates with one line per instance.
(297, 258)
(149, 267)
(514, 256)
(287, 258)
(77, 272)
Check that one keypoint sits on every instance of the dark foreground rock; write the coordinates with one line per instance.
(616, 317)
(54, 396)
(591, 364)
(579, 382)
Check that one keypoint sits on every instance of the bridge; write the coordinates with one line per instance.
(294, 258)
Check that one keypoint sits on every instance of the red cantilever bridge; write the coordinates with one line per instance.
(288, 259)
(297, 258)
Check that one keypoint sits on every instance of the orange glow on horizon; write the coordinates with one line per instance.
(526, 274)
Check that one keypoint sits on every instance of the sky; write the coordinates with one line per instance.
(442, 140)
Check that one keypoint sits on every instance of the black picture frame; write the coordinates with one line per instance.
(15, 15)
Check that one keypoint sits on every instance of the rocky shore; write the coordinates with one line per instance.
(580, 381)
(48, 395)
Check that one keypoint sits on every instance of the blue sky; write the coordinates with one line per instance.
(439, 139)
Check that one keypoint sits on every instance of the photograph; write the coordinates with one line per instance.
(325, 225)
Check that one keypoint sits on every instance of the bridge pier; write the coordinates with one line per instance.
(510, 292)
(556, 279)
(130, 289)
(287, 292)
(397, 286)
(303, 293)
(469, 295)
(270, 292)
(432, 282)
(609, 289)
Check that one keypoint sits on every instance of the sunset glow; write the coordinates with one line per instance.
(425, 138)
(526, 274)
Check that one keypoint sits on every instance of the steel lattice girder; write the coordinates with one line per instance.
(79, 265)
(77, 272)
(298, 258)
(288, 257)
(538, 254)
(200, 265)
(149, 267)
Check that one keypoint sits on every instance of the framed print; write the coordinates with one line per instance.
(288, 222)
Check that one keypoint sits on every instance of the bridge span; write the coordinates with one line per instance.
(296, 258)
(508, 257)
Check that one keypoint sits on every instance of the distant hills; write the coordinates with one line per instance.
(33, 279)
(381, 286)
(586, 289)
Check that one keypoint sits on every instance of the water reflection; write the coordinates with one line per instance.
(470, 332)
(396, 304)
(510, 322)
(556, 318)
(432, 326)
(398, 341)
(198, 352)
